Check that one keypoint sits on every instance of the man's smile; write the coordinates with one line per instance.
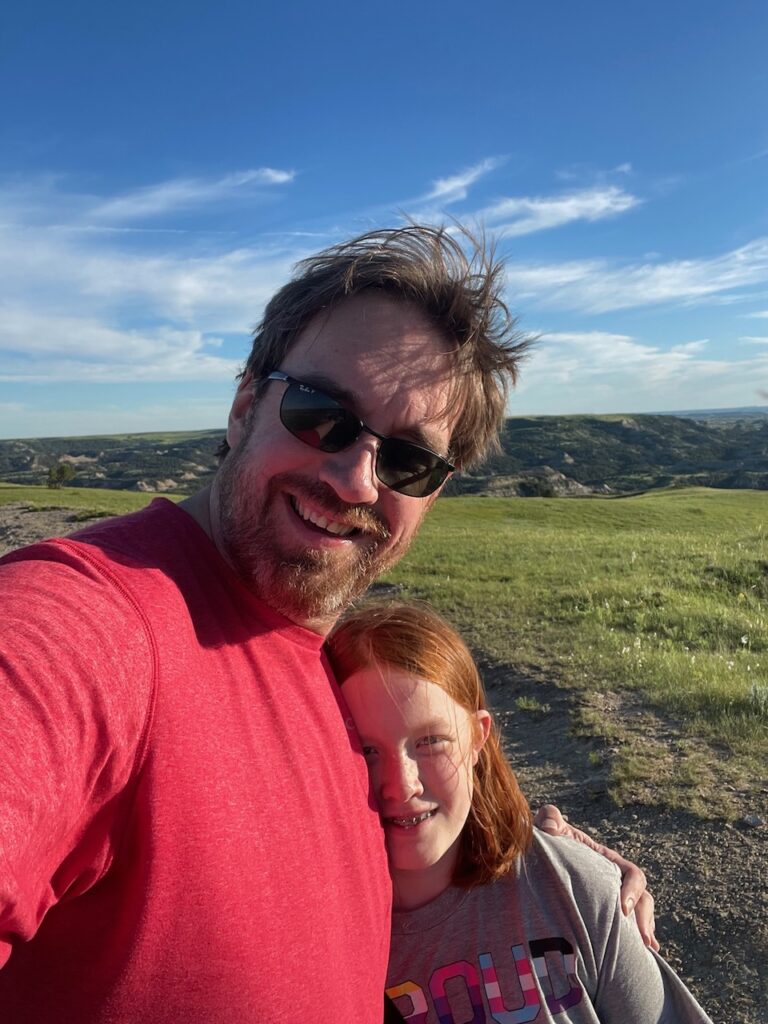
(322, 520)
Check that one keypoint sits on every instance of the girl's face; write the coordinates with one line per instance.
(421, 747)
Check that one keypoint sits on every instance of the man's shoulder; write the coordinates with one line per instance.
(146, 538)
(150, 527)
(112, 568)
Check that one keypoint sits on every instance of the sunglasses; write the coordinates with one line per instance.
(323, 423)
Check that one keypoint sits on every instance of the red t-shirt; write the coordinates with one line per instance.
(186, 830)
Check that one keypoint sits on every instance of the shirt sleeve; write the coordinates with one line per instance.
(636, 986)
(76, 676)
(625, 982)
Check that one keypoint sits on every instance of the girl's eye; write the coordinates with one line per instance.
(433, 743)
(368, 751)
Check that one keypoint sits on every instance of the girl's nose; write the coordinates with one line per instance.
(400, 779)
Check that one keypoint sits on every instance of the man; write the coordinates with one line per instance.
(186, 833)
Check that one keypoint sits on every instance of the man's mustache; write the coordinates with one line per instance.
(360, 517)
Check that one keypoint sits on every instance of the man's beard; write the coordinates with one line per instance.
(310, 586)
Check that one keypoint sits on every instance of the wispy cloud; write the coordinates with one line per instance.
(137, 306)
(456, 187)
(513, 216)
(761, 314)
(604, 354)
(601, 371)
(186, 281)
(596, 286)
(522, 215)
(185, 193)
(752, 339)
(37, 347)
(589, 173)
(93, 306)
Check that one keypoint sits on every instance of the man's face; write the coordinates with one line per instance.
(307, 530)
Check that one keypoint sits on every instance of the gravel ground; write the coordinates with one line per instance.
(709, 878)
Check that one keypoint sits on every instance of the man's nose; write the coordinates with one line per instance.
(400, 779)
(352, 472)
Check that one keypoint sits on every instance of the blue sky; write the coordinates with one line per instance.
(163, 165)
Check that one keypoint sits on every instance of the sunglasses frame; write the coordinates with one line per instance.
(442, 463)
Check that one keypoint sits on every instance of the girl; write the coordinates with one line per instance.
(492, 921)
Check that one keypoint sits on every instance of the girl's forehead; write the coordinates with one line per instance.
(409, 693)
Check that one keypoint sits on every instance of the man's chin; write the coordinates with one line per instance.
(316, 588)
(311, 586)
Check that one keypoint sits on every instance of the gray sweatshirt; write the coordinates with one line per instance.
(547, 942)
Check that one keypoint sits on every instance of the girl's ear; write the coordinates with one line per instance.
(482, 732)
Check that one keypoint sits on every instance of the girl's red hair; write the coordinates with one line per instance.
(414, 638)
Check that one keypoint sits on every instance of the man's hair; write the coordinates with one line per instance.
(414, 638)
(460, 294)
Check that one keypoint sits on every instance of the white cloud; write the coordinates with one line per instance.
(601, 354)
(456, 187)
(761, 314)
(522, 215)
(589, 172)
(137, 306)
(751, 339)
(596, 286)
(603, 372)
(95, 306)
(527, 280)
(41, 347)
(91, 306)
(184, 193)
(525, 214)
(690, 347)
(69, 274)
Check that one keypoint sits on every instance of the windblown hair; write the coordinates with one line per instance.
(415, 639)
(459, 294)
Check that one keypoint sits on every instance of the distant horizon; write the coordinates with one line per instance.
(717, 411)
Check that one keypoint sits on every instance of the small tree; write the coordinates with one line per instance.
(61, 474)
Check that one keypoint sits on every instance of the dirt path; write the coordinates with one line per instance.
(709, 878)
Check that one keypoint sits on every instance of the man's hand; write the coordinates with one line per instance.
(634, 892)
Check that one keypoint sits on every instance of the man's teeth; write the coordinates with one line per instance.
(323, 522)
(411, 822)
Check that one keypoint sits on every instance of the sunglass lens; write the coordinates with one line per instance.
(317, 419)
(409, 469)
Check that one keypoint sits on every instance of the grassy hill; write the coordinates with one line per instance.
(546, 456)
(621, 454)
(154, 462)
(652, 609)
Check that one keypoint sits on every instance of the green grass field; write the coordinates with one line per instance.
(662, 597)
(89, 499)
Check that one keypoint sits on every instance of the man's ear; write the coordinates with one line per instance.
(241, 406)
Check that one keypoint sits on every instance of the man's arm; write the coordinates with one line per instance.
(73, 704)
(634, 892)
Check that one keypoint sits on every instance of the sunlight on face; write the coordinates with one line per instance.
(273, 491)
(421, 747)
